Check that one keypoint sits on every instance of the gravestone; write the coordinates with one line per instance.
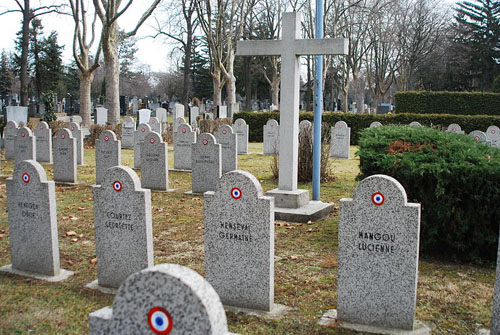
(164, 299)
(155, 124)
(177, 122)
(479, 136)
(233, 109)
(161, 114)
(495, 318)
(455, 128)
(154, 162)
(123, 226)
(209, 116)
(101, 116)
(32, 217)
(107, 154)
(135, 105)
(139, 135)
(341, 140)
(271, 137)
(24, 145)
(18, 114)
(229, 148)
(206, 163)
(64, 157)
(306, 125)
(493, 136)
(239, 242)
(240, 127)
(77, 119)
(375, 124)
(194, 112)
(43, 137)
(144, 116)
(415, 124)
(178, 111)
(183, 139)
(378, 255)
(222, 112)
(128, 130)
(76, 131)
(9, 136)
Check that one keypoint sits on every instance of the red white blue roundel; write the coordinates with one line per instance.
(378, 198)
(41, 127)
(224, 131)
(72, 127)
(205, 142)
(63, 136)
(493, 131)
(477, 138)
(160, 321)
(184, 130)
(143, 129)
(106, 138)
(152, 140)
(453, 129)
(117, 186)
(26, 177)
(236, 193)
(23, 134)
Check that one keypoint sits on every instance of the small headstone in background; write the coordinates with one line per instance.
(178, 111)
(64, 157)
(273, 108)
(415, 124)
(209, 116)
(135, 105)
(305, 124)
(101, 116)
(240, 127)
(375, 124)
(455, 128)
(123, 226)
(77, 119)
(76, 131)
(239, 242)
(128, 130)
(229, 148)
(24, 145)
(493, 136)
(206, 163)
(194, 112)
(340, 140)
(155, 124)
(107, 154)
(18, 114)
(222, 112)
(495, 318)
(233, 109)
(183, 139)
(177, 122)
(144, 116)
(378, 255)
(139, 135)
(271, 137)
(161, 114)
(43, 138)
(479, 136)
(154, 162)
(32, 216)
(9, 136)
(164, 299)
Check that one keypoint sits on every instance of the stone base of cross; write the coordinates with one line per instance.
(288, 199)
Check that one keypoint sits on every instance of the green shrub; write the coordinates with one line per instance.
(458, 103)
(456, 179)
(358, 122)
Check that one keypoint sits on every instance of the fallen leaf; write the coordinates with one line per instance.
(287, 224)
(300, 224)
(74, 240)
(291, 227)
(84, 200)
(2, 231)
(71, 233)
(81, 208)
(93, 261)
(70, 262)
(65, 217)
(293, 257)
(200, 228)
(71, 216)
(80, 236)
(90, 199)
(309, 222)
(309, 230)
(1, 236)
(74, 218)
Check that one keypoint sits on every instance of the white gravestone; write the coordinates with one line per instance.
(155, 124)
(177, 122)
(183, 139)
(43, 136)
(375, 124)
(232, 109)
(24, 145)
(144, 115)
(194, 112)
(154, 162)
(161, 114)
(493, 136)
(455, 128)
(206, 163)
(18, 114)
(164, 299)
(341, 140)
(415, 124)
(32, 217)
(271, 137)
(123, 226)
(139, 135)
(240, 127)
(222, 112)
(101, 116)
(9, 136)
(378, 255)
(107, 154)
(64, 157)
(178, 111)
(239, 242)
(229, 148)
(479, 136)
(128, 130)
(76, 131)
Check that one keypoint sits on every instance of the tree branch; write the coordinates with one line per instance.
(143, 19)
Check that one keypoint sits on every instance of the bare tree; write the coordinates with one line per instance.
(29, 14)
(109, 11)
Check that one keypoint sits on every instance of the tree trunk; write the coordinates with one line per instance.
(230, 79)
(359, 94)
(345, 103)
(275, 88)
(186, 91)
(217, 87)
(85, 103)
(112, 74)
(248, 82)
(24, 53)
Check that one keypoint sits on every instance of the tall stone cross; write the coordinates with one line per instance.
(290, 48)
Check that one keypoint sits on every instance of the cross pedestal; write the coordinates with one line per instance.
(291, 203)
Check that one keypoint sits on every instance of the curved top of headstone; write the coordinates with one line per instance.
(144, 128)
(375, 124)
(225, 129)
(160, 109)
(169, 294)
(121, 179)
(239, 123)
(107, 135)
(63, 133)
(154, 120)
(478, 135)
(28, 171)
(493, 131)
(42, 125)
(380, 191)
(184, 128)
(305, 123)
(238, 185)
(24, 132)
(415, 124)
(74, 126)
(340, 124)
(128, 119)
(145, 110)
(11, 125)
(206, 139)
(180, 120)
(454, 127)
(272, 123)
(153, 137)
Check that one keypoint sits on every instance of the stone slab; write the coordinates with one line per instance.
(161, 114)
(76, 131)
(63, 274)
(277, 313)
(289, 199)
(271, 137)
(144, 116)
(94, 285)
(155, 124)
(493, 136)
(229, 147)
(128, 130)
(177, 122)
(340, 140)
(139, 135)
(154, 162)
(240, 127)
(375, 124)
(64, 152)
(9, 135)
(206, 163)
(312, 211)
(183, 140)
(455, 128)
(18, 114)
(24, 145)
(107, 154)
(101, 116)
(43, 139)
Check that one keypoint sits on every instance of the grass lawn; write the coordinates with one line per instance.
(454, 299)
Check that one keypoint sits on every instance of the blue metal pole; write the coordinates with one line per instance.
(318, 106)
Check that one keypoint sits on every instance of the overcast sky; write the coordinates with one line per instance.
(153, 52)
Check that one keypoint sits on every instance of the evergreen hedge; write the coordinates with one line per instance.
(456, 179)
(358, 122)
(458, 103)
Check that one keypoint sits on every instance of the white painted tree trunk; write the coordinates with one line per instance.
(230, 79)
(217, 88)
(112, 74)
(85, 103)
